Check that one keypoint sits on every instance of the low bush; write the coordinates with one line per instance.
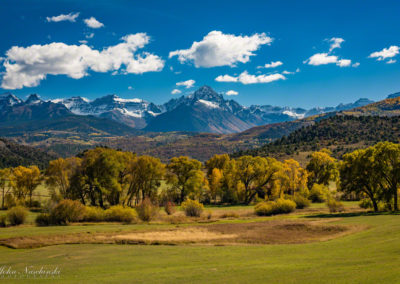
(301, 201)
(318, 193)
(284, 206)
(146, 210)
(169, 208)
(94, 214)
(67, 211)
(3, 221)
(119, 213)
(365, 203)
(17, 215)
(43, 219)
(264, 208)
(192, 208)
(334, 205)
(280, 206)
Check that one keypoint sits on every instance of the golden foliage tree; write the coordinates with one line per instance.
(185, 175)
(24, 180)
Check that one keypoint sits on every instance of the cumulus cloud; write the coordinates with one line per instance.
(231, 93)
(176, 91)
(391, 61)
(324, 58)
(27, 66)
(385, 53)
(93, 23)
(246, 78)
(187, 84)
(226, 78)
(356, 64)
(130, 87)
(336, 42)
(219, 49)
(273, 64)
(71, 17)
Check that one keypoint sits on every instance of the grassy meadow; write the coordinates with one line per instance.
(369, 254)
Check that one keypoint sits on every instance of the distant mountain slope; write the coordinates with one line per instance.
(387, 107)
(36, 116)
(13, 155)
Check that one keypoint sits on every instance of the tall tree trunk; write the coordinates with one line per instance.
(395, 199)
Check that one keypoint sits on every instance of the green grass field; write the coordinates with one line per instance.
(369, 256)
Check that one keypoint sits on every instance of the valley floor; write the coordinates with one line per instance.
(370, 254)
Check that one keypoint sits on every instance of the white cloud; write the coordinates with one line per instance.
(93, 23)
(219, 49)
(130, 88)
(335, 43)
(231, 93)
(385, 53)
(176, 91)
(226, 78)
(273, 64)
(83, 41)
(27, 66)
(60, 18)
(391, 61)
(246, 78)
(91, 35)
(344, 63)
(356, 64)
(324, 58)
(188, 84)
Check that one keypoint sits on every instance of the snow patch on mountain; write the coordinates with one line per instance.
(209, 104)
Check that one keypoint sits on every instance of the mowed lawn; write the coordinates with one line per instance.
(369, 256)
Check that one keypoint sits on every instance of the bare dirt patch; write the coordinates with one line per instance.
(268, 232)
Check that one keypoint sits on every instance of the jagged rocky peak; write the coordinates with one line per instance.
(33, 99)
(207, 93)
(9, 99)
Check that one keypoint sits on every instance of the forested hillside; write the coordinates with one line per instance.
(340, 133)
(13, 155)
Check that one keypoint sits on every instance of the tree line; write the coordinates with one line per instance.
(106, 177)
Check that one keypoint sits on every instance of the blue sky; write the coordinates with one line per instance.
(338, 51)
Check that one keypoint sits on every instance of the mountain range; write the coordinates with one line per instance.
(202, 111)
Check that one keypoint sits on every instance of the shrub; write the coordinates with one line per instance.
(169, 208)
(94, 214)
(146, 210)
(280, 206)
(265, 208)
(301, 201)
(67, 211)
(3, 221)
(17, 215)
(334, 205)
(119, 213)
(284, 206)
(43, 219)
(318, 193)
(365, 203)
(192, 208)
